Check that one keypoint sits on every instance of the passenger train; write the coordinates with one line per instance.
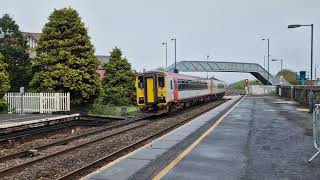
(164, 91)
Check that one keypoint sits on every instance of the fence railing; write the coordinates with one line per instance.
(316, 130)
(37, 102)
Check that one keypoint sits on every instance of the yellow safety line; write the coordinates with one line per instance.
(192, 146)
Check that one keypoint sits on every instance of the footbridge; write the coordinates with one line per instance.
(214, 66)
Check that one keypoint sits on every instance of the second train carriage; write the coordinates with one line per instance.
(159, 90)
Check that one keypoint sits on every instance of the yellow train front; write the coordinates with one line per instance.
(163, 91)
(151, 91)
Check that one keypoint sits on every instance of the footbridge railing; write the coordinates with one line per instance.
(214, 66)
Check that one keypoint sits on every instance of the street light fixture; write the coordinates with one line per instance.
(294, 26)
(311, 53)
(166, 45)
(268, 39)
(175, 55)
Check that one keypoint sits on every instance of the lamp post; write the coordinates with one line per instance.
(311, 53)
(206, 69)
(264, 62)
(311, 94)
(281, 61)
(281, 76)
(268, 39)
(315, 73)
(175, 55)
(166, 45)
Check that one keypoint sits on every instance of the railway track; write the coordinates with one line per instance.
(90, 166)
(65, 141)
(9, 137)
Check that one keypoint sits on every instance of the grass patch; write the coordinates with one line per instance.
(111, 110)
(240, 85)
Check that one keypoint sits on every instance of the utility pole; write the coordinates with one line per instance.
(268, 39)
(166, 45)
(175, 55)
(311, 53)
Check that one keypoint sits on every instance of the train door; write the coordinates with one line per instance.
(175, 89)
(150, 89)
(214, 87)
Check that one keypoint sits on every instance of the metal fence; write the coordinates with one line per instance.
(316, 130)
(37, 102)
(299, 93)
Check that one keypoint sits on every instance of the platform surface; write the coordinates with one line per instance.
(263, 137)
(8, 120)
(260, 139)
(128, 166)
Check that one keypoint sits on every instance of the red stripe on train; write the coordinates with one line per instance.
(175, 89)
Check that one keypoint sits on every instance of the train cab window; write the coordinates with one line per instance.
(161, 81)
(180, 85)
(140, 82)
(171, 85)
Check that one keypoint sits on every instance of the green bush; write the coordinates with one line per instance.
(119, 80)
(3, 106)
(290, 76)
(110, 110)
(101, 109)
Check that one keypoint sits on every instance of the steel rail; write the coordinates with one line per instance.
(31, 132)
(104, 160)
(24, 165)
(49, 127)
(65, 141)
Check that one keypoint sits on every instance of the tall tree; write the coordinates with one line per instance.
(65, 59)
(119, 80)
(14, 49)
(4, 82)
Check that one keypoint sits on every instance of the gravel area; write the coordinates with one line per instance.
(67, 162)
(58, 135)
(59, 148)
(50, 137)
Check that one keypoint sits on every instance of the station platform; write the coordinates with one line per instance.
(12, 120)
(258, 137)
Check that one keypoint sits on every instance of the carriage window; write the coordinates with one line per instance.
(161, 81)
(171, 84)
(140, 82)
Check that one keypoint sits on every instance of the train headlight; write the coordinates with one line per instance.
(141, 100)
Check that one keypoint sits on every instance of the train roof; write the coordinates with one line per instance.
(181, 75)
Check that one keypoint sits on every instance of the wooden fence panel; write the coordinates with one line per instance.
(37, 102)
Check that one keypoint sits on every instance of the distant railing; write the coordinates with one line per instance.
(300, 94)
(37, 102)
(316, 130)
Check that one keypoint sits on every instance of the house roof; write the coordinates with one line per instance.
(102, 59)
(35, 36)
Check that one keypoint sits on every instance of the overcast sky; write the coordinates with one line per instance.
(227, 30)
